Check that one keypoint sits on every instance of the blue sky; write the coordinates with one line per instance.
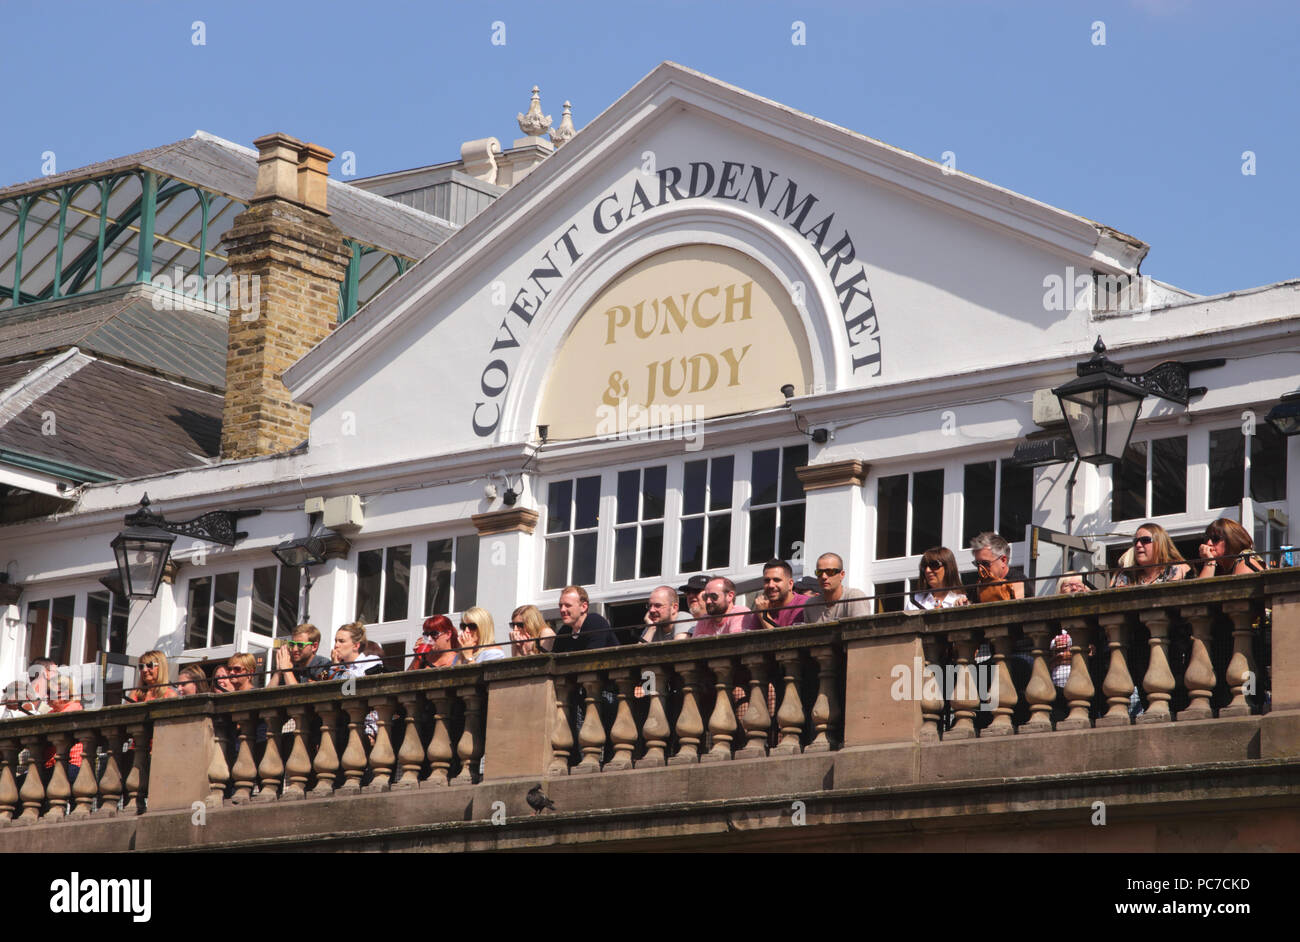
(1144, 133)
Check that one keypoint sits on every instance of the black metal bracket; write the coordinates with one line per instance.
(217, 526)
(1170, 380)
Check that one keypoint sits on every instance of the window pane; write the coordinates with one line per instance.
(466, 571)
(584, 559)
(61, 630)
(693, 487)
(370, 564)
(762, 534)
(587, 513)
(652, 550)
(225, 594)
(720, 482)
(653, 490)
(977, 499)
(629, 493)
(437, 577)
(96, 626)
(792, 518)
(692, 556)
(1227, 467)
(38, 623)
(197, 611)
(764, 477)
(1017, 504)
(286, 617)
(397, 583)
(927, 510)
(263, 599)
(1129, 490)
(719, 542)
(1169, 476)
(893, 595)
(559, 500)
(891, 517)
(557, 563)
(624, 553)
(794, 456)
(1267, 463)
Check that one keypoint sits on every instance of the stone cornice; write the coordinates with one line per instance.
(505, 521)
(832, 474)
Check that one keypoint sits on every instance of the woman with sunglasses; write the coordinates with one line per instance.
(438, 646)
(529, 632)
(1155, 559)
(939, 576)
(1228, 550)
(477, 632)
(155, 682)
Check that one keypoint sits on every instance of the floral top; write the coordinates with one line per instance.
(1170, 573)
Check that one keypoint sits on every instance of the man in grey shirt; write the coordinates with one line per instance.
(838, 602)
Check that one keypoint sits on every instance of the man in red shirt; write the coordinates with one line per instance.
(725, 616)
(779, 606)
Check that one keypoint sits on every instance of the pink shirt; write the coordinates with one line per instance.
(737, 619)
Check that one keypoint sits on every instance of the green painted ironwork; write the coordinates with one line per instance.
(148, 212)
(351, 286)
(54, 467)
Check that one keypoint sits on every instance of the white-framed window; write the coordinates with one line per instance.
(776, 503)
(707, 497)
(49, 628)
(451, 574)
(1237, 468)
(909, 513)
(108, 617)
(383, 584)
(996, 495)
(572, 531)
(276, 595)
(639, 523)
(211, 602)
(1150, 480)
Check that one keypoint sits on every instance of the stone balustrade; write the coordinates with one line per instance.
(856, 696)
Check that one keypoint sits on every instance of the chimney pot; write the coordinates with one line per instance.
(277, 166)
(313, 175)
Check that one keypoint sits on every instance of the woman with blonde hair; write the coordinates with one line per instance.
(1155, 559)
(241, 668)
(1228, 550)
(529, 632)
(477, 634)
(155, 681)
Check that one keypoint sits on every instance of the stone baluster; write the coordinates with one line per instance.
(354, 751)
(1000, 694)
(932, 692)
(382, 757)
(244, 771)
(1199, 677)
(298, 766)
(470, 747)
(1240, 674)
(8, 782)
(789, 716)
(58, 790)
(655, 730)
(757, 721)
(1118, 684)
(591, 737)
(965, 692)
(271, 769)
(439, 752)
(84, 787)
(110, 783)
(561, 730)
(622, 732)
(690, 725)
(218, 764)
(826, 712)
(137, 779)
(1078, 689)
(1158, 682)
(410, 756)
(326, 761)
(722, 719)
(33, 790)
(1040, 692)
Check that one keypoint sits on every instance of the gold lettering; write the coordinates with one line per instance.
(695, 308)
(642, 331)
(733, 363)
(611, 314)
(671, 310)
(742, 300)
(699, 358)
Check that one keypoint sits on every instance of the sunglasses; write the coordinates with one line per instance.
(710, 596)
(828, 572)
(1141, 540)
(932, 564)
(517, 624)
(468, 626)
(299, 644)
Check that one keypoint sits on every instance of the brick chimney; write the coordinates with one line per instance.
(289, 256)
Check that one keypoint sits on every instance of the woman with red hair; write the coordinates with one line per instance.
(438, 646)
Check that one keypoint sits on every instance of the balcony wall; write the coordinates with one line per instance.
(825, 736)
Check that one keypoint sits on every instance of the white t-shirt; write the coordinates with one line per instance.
(925, 601)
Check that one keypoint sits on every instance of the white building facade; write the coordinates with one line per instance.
(604, 350)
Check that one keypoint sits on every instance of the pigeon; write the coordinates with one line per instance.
(538, 801)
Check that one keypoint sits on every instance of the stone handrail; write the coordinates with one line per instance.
(755, 695)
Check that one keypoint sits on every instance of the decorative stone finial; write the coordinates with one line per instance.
(534, 124)
(564, 133)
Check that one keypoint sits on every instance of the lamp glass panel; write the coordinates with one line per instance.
(144, 562)
(1121, 416)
